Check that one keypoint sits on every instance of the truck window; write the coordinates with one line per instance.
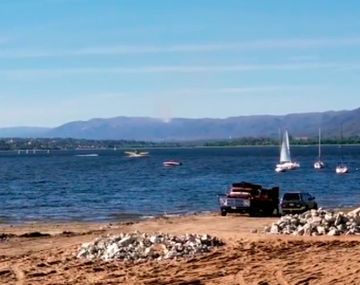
(291, 196)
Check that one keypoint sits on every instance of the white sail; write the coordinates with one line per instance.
(285, 149)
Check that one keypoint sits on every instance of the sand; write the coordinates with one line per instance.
(247, 257)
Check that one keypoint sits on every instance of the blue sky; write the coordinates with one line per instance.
(65, 60)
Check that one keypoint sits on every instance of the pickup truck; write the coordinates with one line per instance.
(249, 198)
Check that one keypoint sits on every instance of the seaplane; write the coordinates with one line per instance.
(136, 153)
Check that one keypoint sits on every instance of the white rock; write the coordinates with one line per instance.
(333, 232)
(112, 250)
(274, 229)
(355, 212)
(147, 251)
(125, 241)
(314, 213)
(154, 239)
(321, 230)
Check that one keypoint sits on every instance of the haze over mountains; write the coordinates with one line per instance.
(178, 129)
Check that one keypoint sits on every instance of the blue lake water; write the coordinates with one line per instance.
(62, 186)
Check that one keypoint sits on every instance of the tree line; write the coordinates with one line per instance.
(82, 144)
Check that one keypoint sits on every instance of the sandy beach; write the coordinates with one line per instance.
(248, 257)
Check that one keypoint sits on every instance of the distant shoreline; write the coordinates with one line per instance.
(31, 151)
(52, 144)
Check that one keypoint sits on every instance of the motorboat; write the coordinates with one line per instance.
(341, 169)
(286, 163)
(170, 163)
(136, 153)
(87, 155)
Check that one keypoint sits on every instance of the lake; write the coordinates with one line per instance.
(62, 186)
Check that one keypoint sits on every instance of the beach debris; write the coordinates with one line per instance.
(6, 236)
(34, 234)
(317, 222)
(141, 247)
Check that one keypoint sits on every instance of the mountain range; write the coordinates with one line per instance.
(332, 124)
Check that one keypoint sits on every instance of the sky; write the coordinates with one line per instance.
(66, 60)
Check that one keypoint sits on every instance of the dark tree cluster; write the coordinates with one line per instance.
(84, 144)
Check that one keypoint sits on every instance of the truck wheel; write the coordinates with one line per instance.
(223, 213)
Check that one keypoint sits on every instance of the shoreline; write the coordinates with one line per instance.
(125, 218)
(57, 227)
(132, 218)
(119, 149)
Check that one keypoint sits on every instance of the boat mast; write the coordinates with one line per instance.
(319, 144)
(280, 143)
(341, 139)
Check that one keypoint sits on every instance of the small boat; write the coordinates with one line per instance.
(319, 164)
(137, 153)
(170, 163)
(341, 169)
(285, 159)
(87, 155)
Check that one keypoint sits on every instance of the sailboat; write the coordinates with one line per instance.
(319, 164)
(341, 168)
(285, 158)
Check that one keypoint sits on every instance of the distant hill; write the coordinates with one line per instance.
(178, 129)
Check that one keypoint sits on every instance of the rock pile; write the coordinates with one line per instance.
(140, 247)
(318, 222)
